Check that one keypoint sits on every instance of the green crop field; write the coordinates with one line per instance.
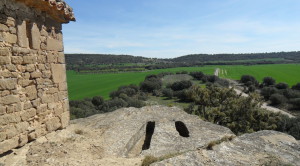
(288, 73)
(89, 85)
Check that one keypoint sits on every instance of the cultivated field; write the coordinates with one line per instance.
(288, 73)
(89, 85)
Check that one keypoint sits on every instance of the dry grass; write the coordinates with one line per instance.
(224, 139)
(151, 159)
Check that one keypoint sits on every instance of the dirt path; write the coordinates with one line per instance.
(217, 71)
(265, 105)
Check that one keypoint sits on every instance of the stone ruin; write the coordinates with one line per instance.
(33, 88)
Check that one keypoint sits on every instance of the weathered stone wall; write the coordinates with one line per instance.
(33, 89)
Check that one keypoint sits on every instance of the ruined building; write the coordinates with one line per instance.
(33, 89)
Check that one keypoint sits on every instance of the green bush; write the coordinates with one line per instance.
(277, 99)
(266, 92)
(268, 81)
(282, 85)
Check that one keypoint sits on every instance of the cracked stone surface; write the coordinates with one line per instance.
(117, 138)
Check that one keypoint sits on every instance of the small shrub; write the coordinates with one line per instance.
(167, 93)
(266, 92)
(268, 81)
(277, 99)
(296, 87)
(282, 85)
(180, 85)
(296, 103)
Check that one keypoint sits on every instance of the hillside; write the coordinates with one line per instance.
(96, 59)
(84, 59)
(275, 56)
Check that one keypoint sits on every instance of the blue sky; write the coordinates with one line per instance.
(172, 28)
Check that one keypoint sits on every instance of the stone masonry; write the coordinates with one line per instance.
(33, 89)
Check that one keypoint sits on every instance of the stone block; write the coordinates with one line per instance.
(4, 93)
(61, 57)
(14, 108)
(58, 73)
(42, 108)
(4, 60)
(46, 74)
(10, 21)
(11, 131)
(47, 99)
(17, 60)
(31, 92)
(2, 136)
(22, 35)
(2, 110)
(29, 59)
(36, 74)
(54, 45)
(4, 52)
(23, 139)
(30, 68)
(36, 42)
(10, 99)
(24, 82)
(27, 105)
(53, 124)
(8, 83)
(22, 127)
(11, 67)
(63, 86)
(27, 114)
(3, 28)
(9, 144)
(10, 118)
(51, 58)
(36, 103)
(65, 119)
(10, 38)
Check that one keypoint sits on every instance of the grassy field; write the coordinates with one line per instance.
(288, 73)
(89, 85)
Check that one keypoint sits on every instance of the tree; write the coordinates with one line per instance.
(296, 87)
(97, 100)
(268, 81)
(282, 85)
(197, 75)
(277, 99)
(180, 85)
(249, 80)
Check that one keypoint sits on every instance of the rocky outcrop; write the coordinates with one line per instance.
(126, 136)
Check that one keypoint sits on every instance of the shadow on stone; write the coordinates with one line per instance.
(149, 132)
(182, 129)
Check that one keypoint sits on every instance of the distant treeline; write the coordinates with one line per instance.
(288, 56)
(103, 63)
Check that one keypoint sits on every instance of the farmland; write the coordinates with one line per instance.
(89, 85)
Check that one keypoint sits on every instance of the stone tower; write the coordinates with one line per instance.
(33, 88)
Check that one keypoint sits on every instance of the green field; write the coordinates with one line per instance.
(89, 85)
(288, 73)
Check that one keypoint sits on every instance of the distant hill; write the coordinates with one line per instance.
(96, 59)
(280, 56)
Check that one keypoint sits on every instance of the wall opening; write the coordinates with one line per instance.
(182, 129)
(149, 132)
(29, 34)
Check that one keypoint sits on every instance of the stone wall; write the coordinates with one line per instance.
(33, 89)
